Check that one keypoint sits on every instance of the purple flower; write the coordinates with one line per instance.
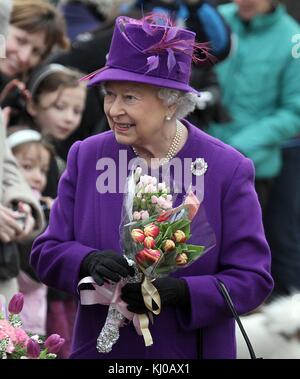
(33, 348)
(16, 303)
(53, 343)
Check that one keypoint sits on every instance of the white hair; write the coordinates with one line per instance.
(185, 101)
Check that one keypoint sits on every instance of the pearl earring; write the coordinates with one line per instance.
(168, 118)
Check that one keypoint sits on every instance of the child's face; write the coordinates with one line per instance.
(34, 160)
(59, 113)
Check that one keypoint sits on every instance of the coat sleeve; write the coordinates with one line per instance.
(282, 124)
(15, 188)
(56, 256)
(244, 258)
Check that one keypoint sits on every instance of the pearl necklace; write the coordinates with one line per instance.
(173, 147)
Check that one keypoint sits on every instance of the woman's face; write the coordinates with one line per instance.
(58, 114)
(251, 8)
(134, 112)
(23, 51)
(33, 160)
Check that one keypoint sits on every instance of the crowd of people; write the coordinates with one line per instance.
(236, 103)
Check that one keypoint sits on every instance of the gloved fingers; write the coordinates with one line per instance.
(134, 288)
(131, 271)
(104, 272)
(130, 298)
(138, 310)
(123, 262)
(114, 266)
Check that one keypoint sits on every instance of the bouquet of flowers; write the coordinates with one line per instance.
(15, 343)
(154, 238)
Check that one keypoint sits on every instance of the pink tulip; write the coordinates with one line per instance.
(33, 348)
(54, 343)
(154, 199)
(16, 303)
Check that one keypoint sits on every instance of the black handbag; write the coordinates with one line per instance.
(9, 260)
(230, 305)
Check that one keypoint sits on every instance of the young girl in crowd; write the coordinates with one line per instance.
(56, 107)
(58, 100)
(33, 156)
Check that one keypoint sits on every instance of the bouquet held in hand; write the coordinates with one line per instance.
(154, 240)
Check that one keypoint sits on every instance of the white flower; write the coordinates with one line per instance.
(154, 180)
(143, 179)
(145, 215)
(35, 337)
(161, 186)
(136, 216)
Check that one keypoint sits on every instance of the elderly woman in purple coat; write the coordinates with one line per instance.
(147, 94)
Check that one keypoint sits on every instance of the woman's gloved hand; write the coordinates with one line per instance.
(105, 265)
(172, 291)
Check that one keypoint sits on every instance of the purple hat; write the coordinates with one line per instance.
(147, 51)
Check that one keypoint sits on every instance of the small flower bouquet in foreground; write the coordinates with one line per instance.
(15, 343)
(154, 239)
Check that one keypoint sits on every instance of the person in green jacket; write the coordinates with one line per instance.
(261, 85)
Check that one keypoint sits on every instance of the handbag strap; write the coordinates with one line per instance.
(229, 302)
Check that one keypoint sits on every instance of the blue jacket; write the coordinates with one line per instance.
(261, 87)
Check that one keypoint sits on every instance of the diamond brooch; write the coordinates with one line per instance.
(199, 167)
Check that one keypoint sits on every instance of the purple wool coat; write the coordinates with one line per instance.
(83, 220)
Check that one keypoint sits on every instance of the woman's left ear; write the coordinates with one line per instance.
(171, 111)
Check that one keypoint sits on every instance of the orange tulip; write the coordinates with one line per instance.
(147, 257)
(149, 242)
(168, 245)
(137, 235)
(151, 230)
(179, 236)
(181, 259)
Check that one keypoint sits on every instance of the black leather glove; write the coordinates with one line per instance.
(105, 265)
(172, 291)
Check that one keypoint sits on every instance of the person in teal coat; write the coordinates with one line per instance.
(260, 82)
